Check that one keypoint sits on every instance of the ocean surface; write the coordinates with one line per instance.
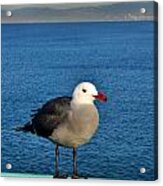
(43, 61)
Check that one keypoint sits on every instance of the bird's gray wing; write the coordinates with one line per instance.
(52, 114)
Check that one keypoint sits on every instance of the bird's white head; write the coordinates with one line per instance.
(86, 93)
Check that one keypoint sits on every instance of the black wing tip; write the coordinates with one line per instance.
(25, 128)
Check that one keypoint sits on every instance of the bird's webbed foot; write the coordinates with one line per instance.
(60, 176)
(76, 176)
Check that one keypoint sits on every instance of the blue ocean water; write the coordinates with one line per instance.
(43, 61)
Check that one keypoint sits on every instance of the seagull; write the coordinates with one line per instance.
(67, 121)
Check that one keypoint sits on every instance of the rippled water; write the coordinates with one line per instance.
(42, 61)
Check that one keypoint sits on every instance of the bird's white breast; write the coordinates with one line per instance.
(82, 125)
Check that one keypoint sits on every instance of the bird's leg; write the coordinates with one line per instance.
(56, 161)
(57, 175)
(75, 173)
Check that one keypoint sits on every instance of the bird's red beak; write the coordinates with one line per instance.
(101, 96)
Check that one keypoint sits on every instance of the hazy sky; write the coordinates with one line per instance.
(56, 6)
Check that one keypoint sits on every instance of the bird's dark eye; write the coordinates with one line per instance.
(84, 90)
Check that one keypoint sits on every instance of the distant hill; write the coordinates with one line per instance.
(123, 11)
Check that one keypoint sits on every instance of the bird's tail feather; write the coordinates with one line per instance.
(28, 127)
